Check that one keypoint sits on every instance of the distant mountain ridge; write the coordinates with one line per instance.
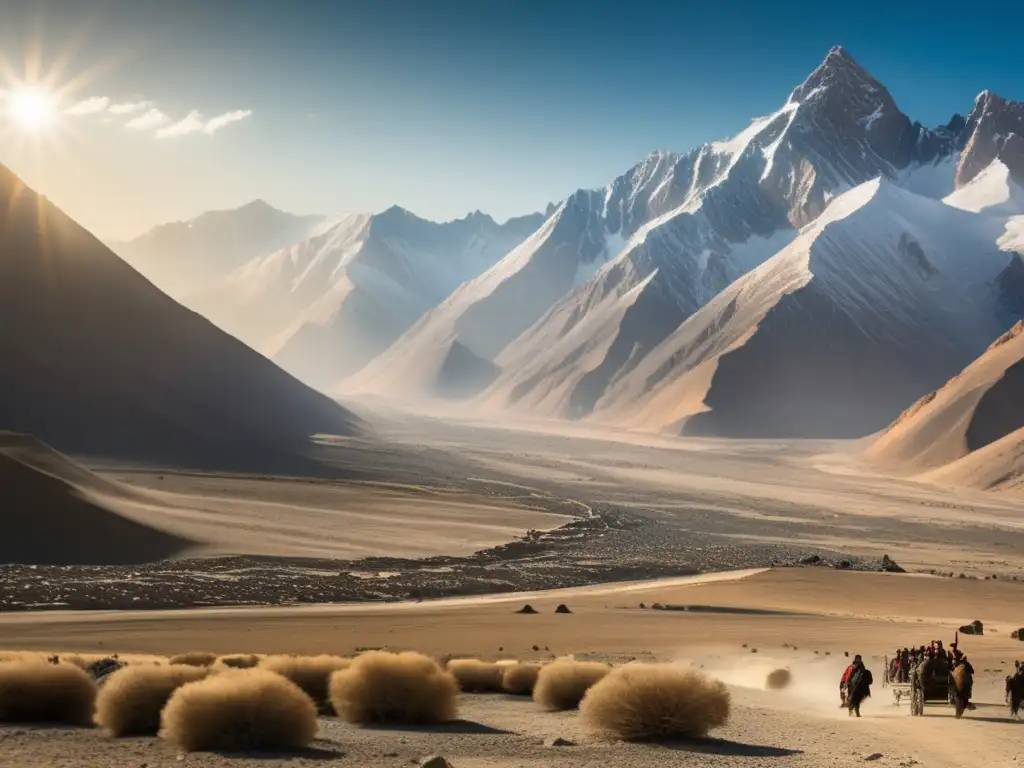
(186, 256)
(324, 306)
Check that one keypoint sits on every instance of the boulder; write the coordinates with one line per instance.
(562, 608)
(974, 628)
(891, 566)
(558, 741)
(527, 609)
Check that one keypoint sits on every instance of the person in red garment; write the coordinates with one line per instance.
(843, 681)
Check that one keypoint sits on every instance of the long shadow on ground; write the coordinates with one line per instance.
(455, 726)
(731, 748)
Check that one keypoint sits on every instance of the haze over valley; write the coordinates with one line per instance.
(269, 393)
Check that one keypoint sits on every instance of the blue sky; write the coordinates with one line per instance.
(442, 107)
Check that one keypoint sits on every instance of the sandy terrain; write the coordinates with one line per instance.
(137, 517)
(973, 412)
(819, 611)
(498, 508)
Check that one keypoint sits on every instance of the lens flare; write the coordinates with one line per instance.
(31, 109)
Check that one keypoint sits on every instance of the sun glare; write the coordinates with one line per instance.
(31, 109)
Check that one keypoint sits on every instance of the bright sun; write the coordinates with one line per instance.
(32, 109)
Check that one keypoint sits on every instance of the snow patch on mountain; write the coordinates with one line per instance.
(879, 300)
(993, 191)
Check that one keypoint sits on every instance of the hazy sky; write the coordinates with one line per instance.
(440, 106)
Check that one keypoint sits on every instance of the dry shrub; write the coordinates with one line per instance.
(195, 659)
(130, 702)
(562, 683)
(520, 679)
(778, 679)
(656, 701)
(239, 710)
(34, 691)
(398, 688)
(311, 673)
(475, 676)
(239, 660)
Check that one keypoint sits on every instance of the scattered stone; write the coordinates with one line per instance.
(558, 741)
(873, 756)
(844, 565)
(810, 560)
(562, 608)
(536, 648)
(435, 761)
(658, 606)
(974, 628)
(642, 605)
(891, 566)
(527, 609)
(846, 653)
(753, 650)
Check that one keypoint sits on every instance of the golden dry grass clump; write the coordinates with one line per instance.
(520, 679)
(656, 701)
(311, 673)
(399, 688)
(195, 659)
(34, 691)
(130, 702)
(475, 676)
(239, 660)
(562, 683)
(778, 679)
(239, 710)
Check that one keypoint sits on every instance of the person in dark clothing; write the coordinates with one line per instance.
(858, 685)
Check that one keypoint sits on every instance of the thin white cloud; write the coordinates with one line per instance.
(147, 121)
(195, 123)
(191, 123)
(129, 107)
(88, 106)
(216, 123)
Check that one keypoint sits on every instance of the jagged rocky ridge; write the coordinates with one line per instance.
(614, 271)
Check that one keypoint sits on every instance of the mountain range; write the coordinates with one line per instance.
(810, 276)
(98, 360)
(630, 303)
(184, 256)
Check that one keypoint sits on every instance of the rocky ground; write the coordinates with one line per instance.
(602, 545)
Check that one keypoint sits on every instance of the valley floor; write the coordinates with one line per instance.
(476, 508)
(743, 625)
